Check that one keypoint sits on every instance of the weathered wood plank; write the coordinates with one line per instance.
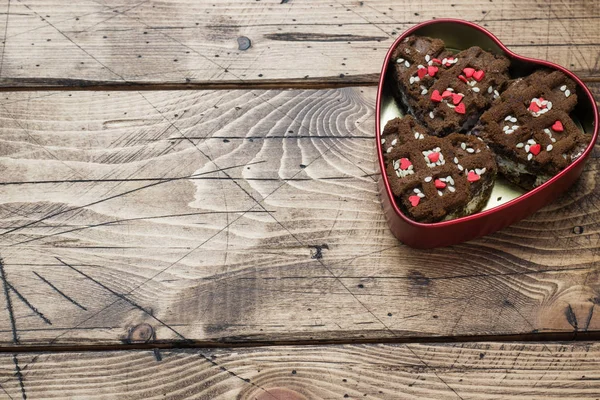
(415, 371)
(61, 43)
(253, 215)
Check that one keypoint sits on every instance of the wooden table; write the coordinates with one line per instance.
(189, 210)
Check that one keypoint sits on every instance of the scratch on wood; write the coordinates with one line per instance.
(9, 306)
(19, 376)
(571, 318)
(28, 304)
(122, 297)
(59, 291)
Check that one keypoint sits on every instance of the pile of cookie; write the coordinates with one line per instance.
(468, 122)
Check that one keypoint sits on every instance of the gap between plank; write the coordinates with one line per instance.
(43, 84)
(199, 344)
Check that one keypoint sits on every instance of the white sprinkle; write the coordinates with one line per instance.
(505, 128)
(463, 146)
(509, 131)
(529, 156)
(538, 102)
(547, 131)
(490, 89)
(451, 188)
(513, 120)
(411, 80)
(411, 167)
(483, 170)
(460, 167)
(382, 141)
(389, 149)
(470, 150)
(514, 127)
(444, 61)
(440, 193)
(565, 156)
(563, 88)
(478, 171)
(544, 103)
(442, 179)
(431, 115)
(472, 83)
(420, 66)
(394, 142)
(423, 92)
(437, 149)
(416, 190)
(476, 89)
(496, 93)
(527, 148)
(417, 79)
(428, 179)
(567, 93)
(450, 180)
(549, 106)
(520, 145)
(450, 105)
(406, 64)
(478, 151)
(455, 160)
(421, 195)
(550, 147)
(531, 141)
(421, 136)
(450, 89)
(427, 58)
(553, 140)
(454, 61)
(398, 172)
(416, 135)
(400, 60)
(507, 118)
(429, 62)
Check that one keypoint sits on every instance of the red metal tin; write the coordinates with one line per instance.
(460, 34)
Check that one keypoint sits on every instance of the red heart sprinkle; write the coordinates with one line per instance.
(446, 93)
(472, 176)
(541, 99)
(404, 164)
(436, 60)
(478, 75)
(439, 184)
(435, 96)
(460, 108)
(468, 72)
(456, 98)
(534, 107)
(462, 78)
(421, 72)
(434, 157)
(431, 70)
(414, 200)
(558, 126)
(535, 149)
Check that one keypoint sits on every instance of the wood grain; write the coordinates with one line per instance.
(235, 216)
(189, 42)
(416, 371)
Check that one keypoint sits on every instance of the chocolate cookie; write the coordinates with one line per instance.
(529, 128)
(436, 179)
(447, 93)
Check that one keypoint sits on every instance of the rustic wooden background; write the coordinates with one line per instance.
(178, 176)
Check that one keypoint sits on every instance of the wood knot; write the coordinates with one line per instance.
(141, 333)
(244, 43)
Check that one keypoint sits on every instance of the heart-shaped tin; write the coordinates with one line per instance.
(507, 204)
